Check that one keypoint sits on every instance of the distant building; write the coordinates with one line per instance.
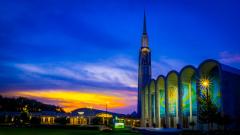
(47, 120)
(76, 120)
(47, 117)
(78, 117)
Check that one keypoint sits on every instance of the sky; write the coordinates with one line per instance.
(84, 53)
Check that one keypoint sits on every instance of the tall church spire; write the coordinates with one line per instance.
(144, 24)
(144, 35)
(144, 68)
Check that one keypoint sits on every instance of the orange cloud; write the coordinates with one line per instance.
(71, 100)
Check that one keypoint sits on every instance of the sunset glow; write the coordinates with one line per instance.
(71, 100)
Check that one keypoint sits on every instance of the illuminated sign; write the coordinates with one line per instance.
(119, 125)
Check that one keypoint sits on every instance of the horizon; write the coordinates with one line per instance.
(85, 53)
(58, 107)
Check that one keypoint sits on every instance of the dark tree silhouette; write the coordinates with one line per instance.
(208, 111)
(192, 124)
(96, 121)
(17, 105)
(62, 120)
(223, 120)
(35, 120)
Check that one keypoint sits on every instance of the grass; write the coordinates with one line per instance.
(46, 131)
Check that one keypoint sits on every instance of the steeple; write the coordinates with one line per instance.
(144, 69)
(144, 24)
(144, 35)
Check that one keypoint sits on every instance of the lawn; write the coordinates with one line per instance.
(46, 131)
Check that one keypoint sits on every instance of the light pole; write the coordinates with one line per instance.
(106, 113)
(205, 83)
(90, 115)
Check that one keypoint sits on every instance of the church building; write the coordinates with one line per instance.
(180, 98)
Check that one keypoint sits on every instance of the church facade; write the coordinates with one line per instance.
(177, 99)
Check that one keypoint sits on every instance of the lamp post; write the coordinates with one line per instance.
(90, 115)
(205, 83)
(106, 113)
(80, 117)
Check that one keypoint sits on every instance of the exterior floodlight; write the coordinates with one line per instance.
(80, 113)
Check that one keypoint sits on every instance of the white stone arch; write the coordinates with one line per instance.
(188, 95)
(172, 92)
(160, 101)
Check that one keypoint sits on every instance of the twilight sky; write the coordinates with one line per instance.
(83, 53)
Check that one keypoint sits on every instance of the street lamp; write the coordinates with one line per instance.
(205, 83)
(106, 112)
(90, 114)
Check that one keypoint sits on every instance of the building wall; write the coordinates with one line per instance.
(144, 72)
(78, 121)
(182, 90)
(230, 96)
(48, 120)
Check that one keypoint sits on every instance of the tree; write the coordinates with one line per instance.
(96, 121)
(61, 120)
(208, 111)
(223, 120)
(35, 120)
(24, 116)
(2, 118)
(192, 124)
(17, 104)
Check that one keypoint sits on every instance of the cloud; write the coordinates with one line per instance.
(114, 79)
(120, 71)
(74, 85)
(229, 58)
(114, 73)
(166, 64)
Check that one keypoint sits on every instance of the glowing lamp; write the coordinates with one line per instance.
(205, 83)
(80, 113)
